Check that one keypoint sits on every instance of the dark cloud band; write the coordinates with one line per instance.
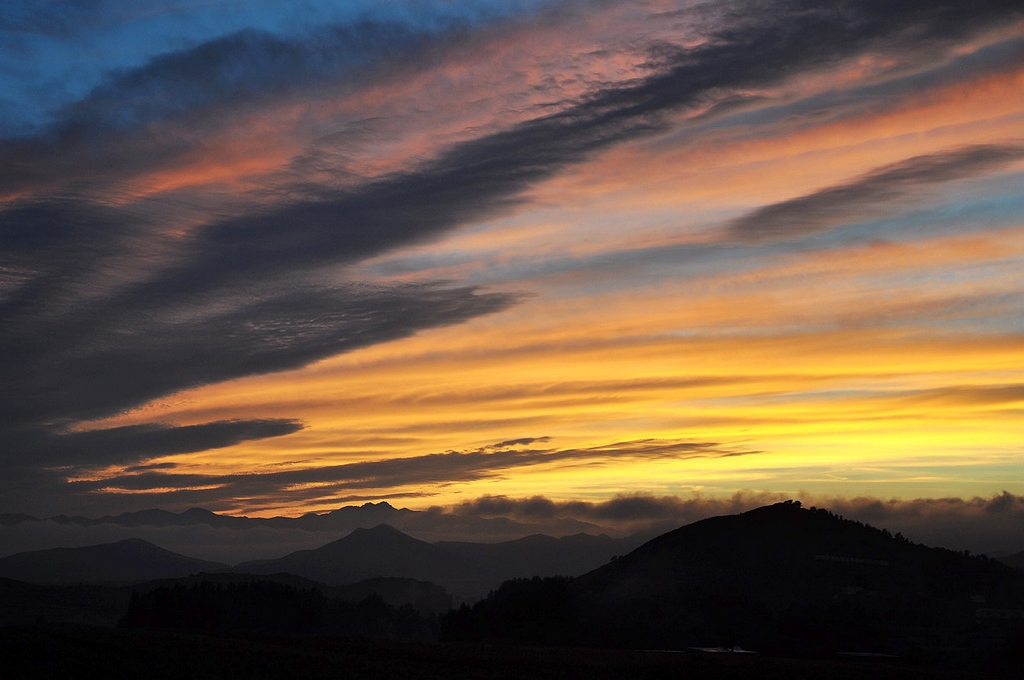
(330, 482)
(867, 196)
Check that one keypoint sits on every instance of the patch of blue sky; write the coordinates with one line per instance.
(55, 52)
(939, 213)
(606, 271)
(643, 267)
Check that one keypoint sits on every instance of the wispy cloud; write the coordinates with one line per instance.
(334, 483)
(130, 443)
(199, 215)
(869, 196)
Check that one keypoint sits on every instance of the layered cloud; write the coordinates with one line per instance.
(235, 204)
(278, 487)
(872, 195)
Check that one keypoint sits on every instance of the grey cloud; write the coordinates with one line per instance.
(983, 525)
(203, 541)
(38, 460)
(329, 482)
(89, 363)
(636, 510)
(477, 178)
(767, 42)
(868, 195)
(247, 66)
(967, 395)
(68, 354)
(785, 38)
(110, 133)
(150, 440)
(46, 246)
(523, 441)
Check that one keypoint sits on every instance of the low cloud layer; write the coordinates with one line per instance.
(993, 525)
(981, 525)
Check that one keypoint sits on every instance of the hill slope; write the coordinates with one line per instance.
(379, 552)
(779, 578)
(130, 560)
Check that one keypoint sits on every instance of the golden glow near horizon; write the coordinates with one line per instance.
(826, 394)
(656, 347)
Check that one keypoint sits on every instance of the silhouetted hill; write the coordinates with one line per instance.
(425, 597)
(379, 552)
(780, 578)
(270, 606)
(28, 604)
(160, 518)
(1016, 561)
(10, 519)
(784, 575)
(131, 560)
(467, 570)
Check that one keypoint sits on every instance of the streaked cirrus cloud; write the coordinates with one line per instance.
(356, 235)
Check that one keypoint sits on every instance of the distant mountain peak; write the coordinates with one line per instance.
(382, 531)
(199, 512)
(141, 542)
(383, 528)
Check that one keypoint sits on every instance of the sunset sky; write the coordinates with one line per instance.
(268, 258)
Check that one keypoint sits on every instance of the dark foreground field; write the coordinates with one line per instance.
(82, 652)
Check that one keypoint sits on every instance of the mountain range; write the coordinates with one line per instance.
(127, 561)
(467, 570)
(426, 525)
(782, 579)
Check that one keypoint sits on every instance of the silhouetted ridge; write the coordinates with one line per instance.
(382, 551)
(761, 548)
(10, 519)
(338, 521)
(129, 560)
(780, 578)
(267, 606)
